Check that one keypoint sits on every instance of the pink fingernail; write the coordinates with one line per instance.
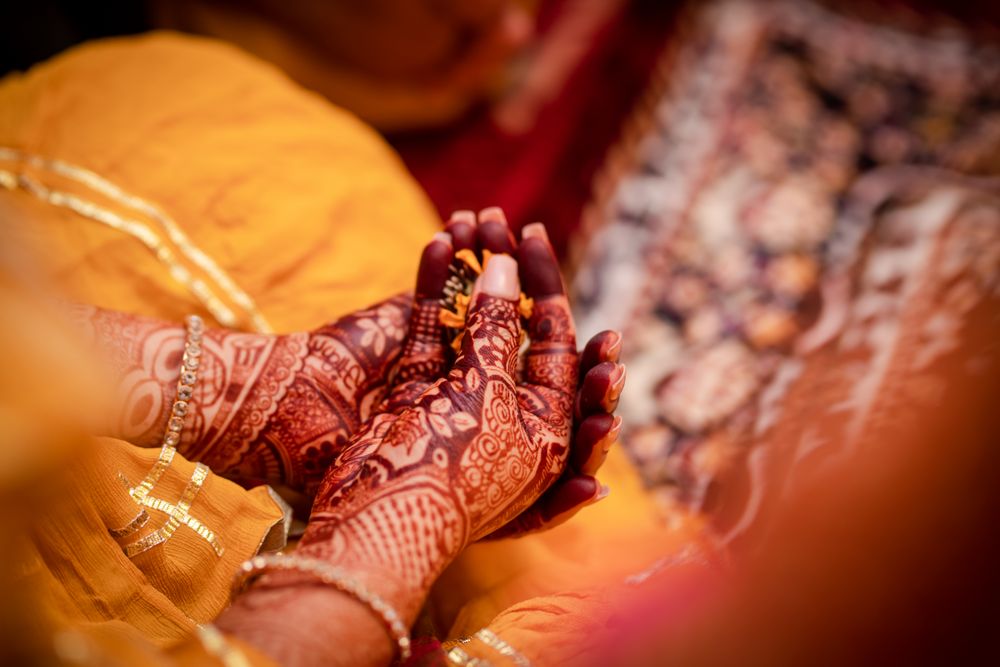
(443, 237)
(493, 213)
(500, 278)
(614, 350)
(618, 384)
(467, 217)
(535, 230)
(603, 493)
(613, 433)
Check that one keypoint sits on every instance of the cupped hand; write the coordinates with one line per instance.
(458, 450)
(599, 376)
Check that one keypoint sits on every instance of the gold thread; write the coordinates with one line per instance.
(194, 328)
(140, 520)
(138, 230)
(140, 492)
(203, 531)
(222, 313)
(177, 516)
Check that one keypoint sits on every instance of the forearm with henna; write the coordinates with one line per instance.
(471, 452)
(447, 461)
(274, 409)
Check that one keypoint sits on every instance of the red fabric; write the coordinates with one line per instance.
(545, 174)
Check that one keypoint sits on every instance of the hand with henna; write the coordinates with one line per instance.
(601, 377)
(279, 409)
(455, 451)
(271, 409)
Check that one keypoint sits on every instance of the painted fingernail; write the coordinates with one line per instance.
(617, 384)
(615, 347)
(535, 230)
(443, 237)
(463, 217)
(500, 278)
(613, 432)
(492, 214)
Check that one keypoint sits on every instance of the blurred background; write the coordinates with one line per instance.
(792, 210)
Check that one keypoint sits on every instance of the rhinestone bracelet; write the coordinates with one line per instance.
(333, 576)
(185, 385)
(491, 639)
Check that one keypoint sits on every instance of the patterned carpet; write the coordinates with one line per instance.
(798, 182)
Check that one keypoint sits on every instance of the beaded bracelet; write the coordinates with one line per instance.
(333, 576)
(491, 639)
(185, 384)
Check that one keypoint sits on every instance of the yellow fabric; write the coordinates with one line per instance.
(164, 591)
(307, 209)
(313, 215)
(70, 593)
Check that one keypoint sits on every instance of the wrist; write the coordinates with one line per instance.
(292, 621)
(397, 544)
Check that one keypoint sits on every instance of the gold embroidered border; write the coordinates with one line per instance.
(194, 524)
(140, 520)
(140, 492)
(138, 230)
(178, 515)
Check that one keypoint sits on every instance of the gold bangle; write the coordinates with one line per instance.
(335, 577)
(491, 639)
(456, 655)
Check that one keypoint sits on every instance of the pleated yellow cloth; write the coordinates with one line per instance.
(305, 207)
(312, 215)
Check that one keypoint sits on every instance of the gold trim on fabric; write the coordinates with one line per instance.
(194, 524)
(177, 515)
(166, 457)
(138, 230)
(140, 520)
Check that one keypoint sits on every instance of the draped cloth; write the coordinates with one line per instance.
(312, 215)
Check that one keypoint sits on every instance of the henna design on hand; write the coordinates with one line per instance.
(274, 409)
(459, 459)
(595, 427)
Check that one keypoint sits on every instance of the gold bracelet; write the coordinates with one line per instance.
(175, 423)
(457, 656)
(491, 639)
(333, 576)
(185, 385)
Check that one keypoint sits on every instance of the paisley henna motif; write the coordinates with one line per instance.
(468, 454)
(274, 409)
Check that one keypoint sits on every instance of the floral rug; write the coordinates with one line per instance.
(798, 181)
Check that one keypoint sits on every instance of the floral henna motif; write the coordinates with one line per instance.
(423, 356)
(275, 409)
(472, 451)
